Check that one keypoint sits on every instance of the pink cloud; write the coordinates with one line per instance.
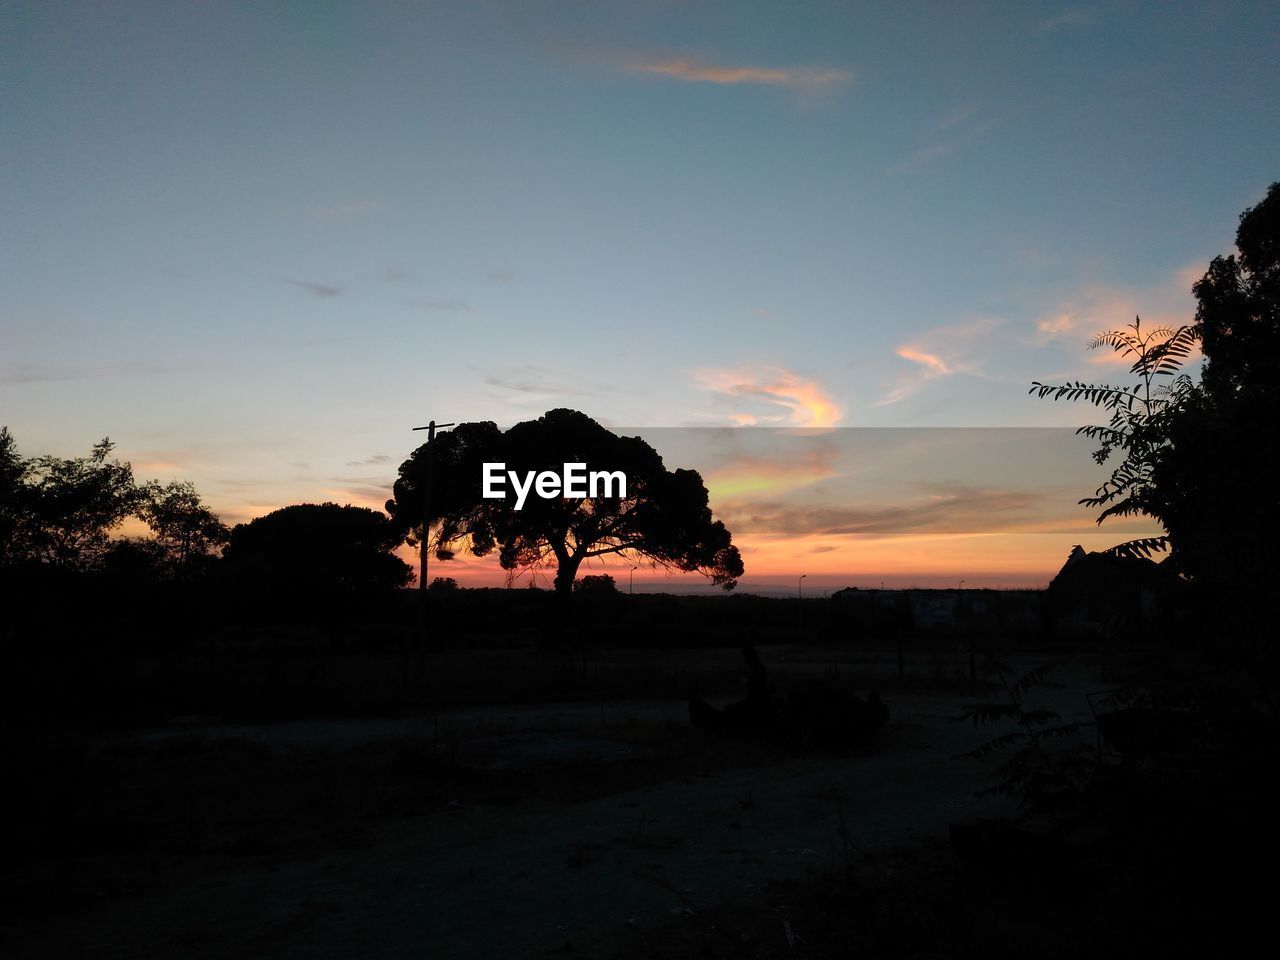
(806, 401)
(940, 352)
(691, 70)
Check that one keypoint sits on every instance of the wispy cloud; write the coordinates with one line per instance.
(960, 134)
(1098, 307)
(1069, 17)
(935, 365)
(933, 508)
(371, 492)
(805, 401)
(940, 352)
(316, 289)
(14, 374)
(543, 383)
(957, 115)
(693, 70)
(377, 460)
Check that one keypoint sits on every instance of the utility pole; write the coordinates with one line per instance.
(431, 428)
(631, 593)
(973, 653)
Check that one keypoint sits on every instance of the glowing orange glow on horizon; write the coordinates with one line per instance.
(925, 560)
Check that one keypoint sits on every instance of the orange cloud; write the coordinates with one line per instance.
(1052, 326)
(806, 401)
(1097, 307)
(935, 364)
(939, 352)
(690, 70)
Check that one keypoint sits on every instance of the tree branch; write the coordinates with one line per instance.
(629, 545)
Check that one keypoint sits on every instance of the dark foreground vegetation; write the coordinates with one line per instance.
(144, 762)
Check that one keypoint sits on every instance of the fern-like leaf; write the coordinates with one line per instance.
(984, 713)
(1143, 547)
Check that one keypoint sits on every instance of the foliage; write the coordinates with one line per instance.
(1218, 477)
(63, 511)
(664, 518)
(319, 547)
(135, 560)
(1047, 777)
(184, 528)
(1139, 423)
(1238, 312)
(596, 584)
(13, 509)
(1202, 458)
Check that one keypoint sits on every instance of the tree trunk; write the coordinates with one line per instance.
(566, 573)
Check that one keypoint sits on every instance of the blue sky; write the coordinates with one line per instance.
(255, 244)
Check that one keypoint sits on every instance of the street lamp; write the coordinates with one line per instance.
(800, 587)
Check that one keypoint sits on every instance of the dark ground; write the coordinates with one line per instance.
(602, 825)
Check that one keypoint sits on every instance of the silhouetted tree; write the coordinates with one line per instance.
(1238, 313)
(1204, 458)
(69, 507)
(1218, 479)
(136, 560)
(187, 531)
(455, 460)
(319, 547)
(1138, 428)
(63, 513)
(596, 584)
(13, 508)
(664, 517)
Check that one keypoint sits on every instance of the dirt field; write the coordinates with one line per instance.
(672, 824)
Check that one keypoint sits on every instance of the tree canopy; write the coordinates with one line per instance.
(184, 528)
(1138, 426)
(1217, 480)
(66, 512)
(664, 518)
(317, 547)
(62, 511)
(1203, 457)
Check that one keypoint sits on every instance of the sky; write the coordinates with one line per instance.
(255, 244)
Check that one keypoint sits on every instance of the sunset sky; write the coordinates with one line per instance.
(256, 243)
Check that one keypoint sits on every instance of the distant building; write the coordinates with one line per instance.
(941, 610)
